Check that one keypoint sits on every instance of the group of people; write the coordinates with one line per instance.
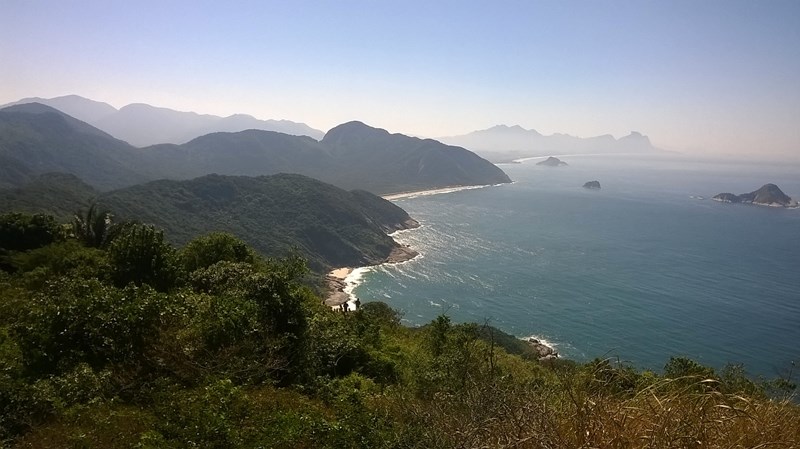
(345, 306)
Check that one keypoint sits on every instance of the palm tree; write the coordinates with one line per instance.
(93, 227)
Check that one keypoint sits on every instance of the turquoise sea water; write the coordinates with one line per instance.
(646, 268)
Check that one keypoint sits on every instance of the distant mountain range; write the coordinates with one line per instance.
(329, 226)
(142, 124)
(37, 139)
(505, 143)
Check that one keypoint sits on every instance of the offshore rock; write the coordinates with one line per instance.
(592, 185)
(552, 162)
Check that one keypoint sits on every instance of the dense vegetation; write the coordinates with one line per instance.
(328, 226)
(58, 194)
(110, 337)
(36, 139)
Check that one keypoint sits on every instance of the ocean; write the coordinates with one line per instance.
(645, 268)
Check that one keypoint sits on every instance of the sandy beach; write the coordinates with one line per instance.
(340, 279)
(416, 193)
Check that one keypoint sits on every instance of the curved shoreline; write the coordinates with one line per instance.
(342, 281)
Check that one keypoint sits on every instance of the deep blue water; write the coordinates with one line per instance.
(641, 270)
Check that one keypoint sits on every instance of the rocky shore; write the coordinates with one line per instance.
(337, 279)
(545, 352)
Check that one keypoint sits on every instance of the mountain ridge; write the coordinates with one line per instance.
(41, 139)
(36, 139)
(141, 124)
(503, 143)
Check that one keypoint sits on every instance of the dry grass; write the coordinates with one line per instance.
(659, 416)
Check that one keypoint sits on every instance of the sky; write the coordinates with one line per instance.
(700, 77)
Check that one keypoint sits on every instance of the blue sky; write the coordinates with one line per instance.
(696, 76)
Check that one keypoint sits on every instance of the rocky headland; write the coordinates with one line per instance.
(768, 195)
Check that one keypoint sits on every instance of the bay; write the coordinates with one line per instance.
(646, 268)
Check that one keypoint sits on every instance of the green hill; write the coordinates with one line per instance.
(248, 153)
(273, 214)
(396, 162)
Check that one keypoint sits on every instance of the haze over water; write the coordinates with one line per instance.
(644, 269)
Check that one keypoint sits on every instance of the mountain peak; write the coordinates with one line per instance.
(75, 106)
(59, 121)
(350, 131)
(636, 138)
(31, 108)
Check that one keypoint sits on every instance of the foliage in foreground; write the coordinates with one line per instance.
(134, 343)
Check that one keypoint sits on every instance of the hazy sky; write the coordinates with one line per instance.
(696, 76)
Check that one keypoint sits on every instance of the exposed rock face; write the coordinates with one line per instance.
(552, 162)
(545, 352)
(767, 195)
(592, 185)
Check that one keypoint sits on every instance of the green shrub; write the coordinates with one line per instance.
(139, 255)
(202, 252)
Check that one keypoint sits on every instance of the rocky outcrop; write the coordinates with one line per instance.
(545, 352)
(592, 185)
(552, 162)
(768, 195)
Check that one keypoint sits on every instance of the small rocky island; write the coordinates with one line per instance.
(767, 195)
(552, 162)
(592, 185)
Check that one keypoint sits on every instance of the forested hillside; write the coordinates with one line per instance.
(328, 226)
(111, 337)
